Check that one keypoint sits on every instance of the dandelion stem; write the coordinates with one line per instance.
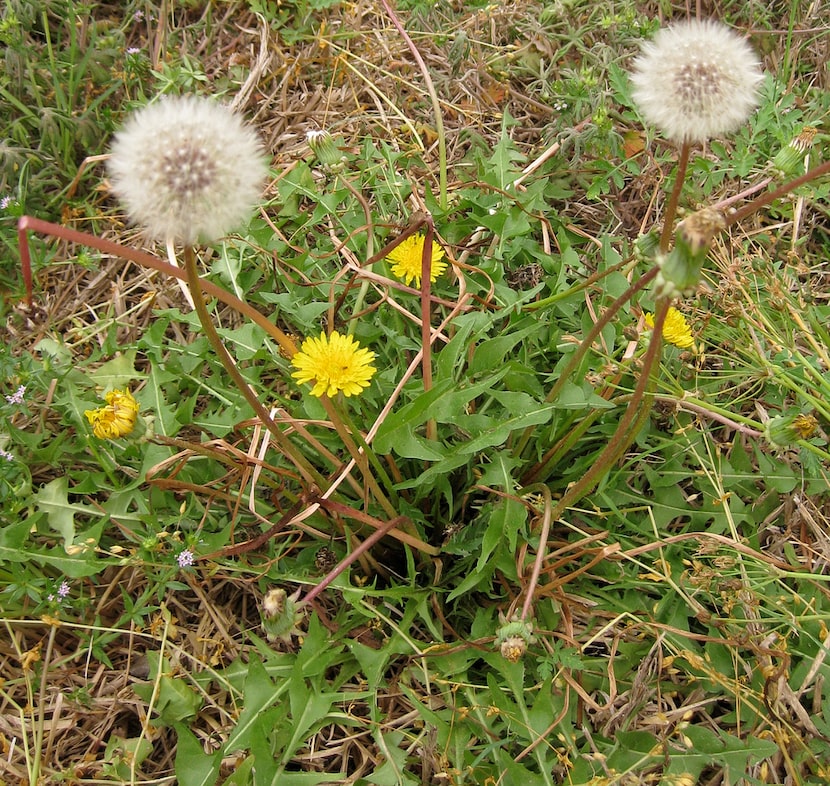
(436, 106)
(542, 548)
(30, 223)
(426, 326)
(360, 457)
(674, 197)
(626, 429)
(766, 199)
(195, 283)
(584, 346)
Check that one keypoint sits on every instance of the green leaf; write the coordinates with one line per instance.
(507, 518)
(308, 706)
(410, 416)
(53, 500)
(499, 472)
(152, 397)
(117, 373)
(194, 767)
(259, 693)
(228, 269)
(12, 538)
(491, 353)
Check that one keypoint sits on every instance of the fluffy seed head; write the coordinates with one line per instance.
(187, 169)
(696, 79)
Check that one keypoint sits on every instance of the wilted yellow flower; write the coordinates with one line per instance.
(407, 260)
(334, 363)
(117, 419)
(789, 428)
(675, 329)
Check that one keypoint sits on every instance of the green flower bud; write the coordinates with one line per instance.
(789, 159)
(513, 637)
(788, 429)
(279, 615)
(323, 145)
(680, 269)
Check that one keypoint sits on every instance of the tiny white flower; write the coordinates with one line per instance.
(187, 169)
(696, 79)
(185, 558)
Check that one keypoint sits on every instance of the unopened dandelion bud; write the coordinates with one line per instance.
(680, 269)
(513, 638)
(787, 429)
(646, 247)
(700, 228)
(279, 615)
(789, 159)
(324, 147)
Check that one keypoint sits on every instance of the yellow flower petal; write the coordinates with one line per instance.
(406, 259)
(675, 329)
(115, 420)
(334, 363)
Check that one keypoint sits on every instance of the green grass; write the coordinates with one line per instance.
(678, 616)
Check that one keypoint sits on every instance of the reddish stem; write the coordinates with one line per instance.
(27, 223)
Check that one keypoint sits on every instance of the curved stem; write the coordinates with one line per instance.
(436, 106)
(285, 445)
(585, 345)
(27, 223)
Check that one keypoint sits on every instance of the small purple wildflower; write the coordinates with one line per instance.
(6, 455)
(138, 15)
(5, 202)
(59, 596)
(17, 396)
(185, 558)
(133, 50)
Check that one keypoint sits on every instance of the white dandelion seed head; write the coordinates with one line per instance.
(695, 80)
(187, 169)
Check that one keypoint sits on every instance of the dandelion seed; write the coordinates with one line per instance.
(115, 420)
(186, 558)
(406, 259)
(187, 169)
(17, 396)
(675, 329)
(696, 79)
(334, 363)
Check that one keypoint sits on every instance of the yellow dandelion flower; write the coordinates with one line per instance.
(334, 363)
(407, 260)
(115, 420)
(675, 329)
(805, 426)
